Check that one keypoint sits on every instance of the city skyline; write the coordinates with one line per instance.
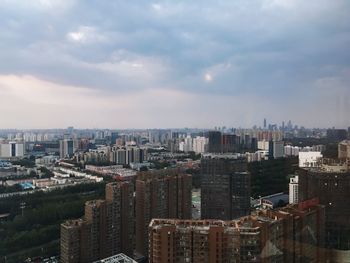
(174, 64)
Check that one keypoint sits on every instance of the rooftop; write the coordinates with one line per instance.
(120, 258)
(234, 156)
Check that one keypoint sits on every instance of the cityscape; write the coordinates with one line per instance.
(175, 131)
(273, 193)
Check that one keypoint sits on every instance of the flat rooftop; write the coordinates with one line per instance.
(120, 258)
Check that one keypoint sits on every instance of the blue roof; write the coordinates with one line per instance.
(274, 199)
(27, 185)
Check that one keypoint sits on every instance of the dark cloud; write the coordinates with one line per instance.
(275, 49)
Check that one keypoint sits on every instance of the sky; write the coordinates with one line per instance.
(175, 63)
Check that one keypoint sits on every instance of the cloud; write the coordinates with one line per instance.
(275, 50)
(86, 35)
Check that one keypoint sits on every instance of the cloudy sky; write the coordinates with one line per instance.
(199, 63)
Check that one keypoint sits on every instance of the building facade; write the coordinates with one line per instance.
(121, 218)
(225, 186)
(293, 190)
(106, 229)
(67, 148)
(11, 149)
(309, 159)
(160, 194)
(214, 142)
(331, 184)
(292, 234)
(344, 149)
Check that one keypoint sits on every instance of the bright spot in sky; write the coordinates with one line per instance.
(208, 77)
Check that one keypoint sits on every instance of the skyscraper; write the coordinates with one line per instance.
(160, 194)
(225, 186)
(264, 123)
(215, 143)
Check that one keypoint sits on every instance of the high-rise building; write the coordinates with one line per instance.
(331, 184)
(75, 241)
(276, 149)
(225, 186)
(66, 148)
(229, 143)
(127, 155)
(337, 134)
(344, 149)
(96, 217)
(11, 149)
(106, 229)
(214, 144)
(200, 144)
(121, 216)
(265, 123)
(293, 190)
(291, 234)
(114, 137)
(160, 194)
(263, 145)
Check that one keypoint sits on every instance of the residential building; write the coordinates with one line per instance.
(160, 194)
(67, 148)
(200, 144)
(344, 149)
(309, 159)
(229, 143)
(278, 149)
(291, 234)
(225, 186)
(127, 155)
(330, 183)
(214, 144)
(11, 149)
(106, 229)
(293, 190)
(75, 241)
(263, 145)
(96, 217)
(121, 216)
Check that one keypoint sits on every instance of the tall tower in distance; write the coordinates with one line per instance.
(264, 123)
